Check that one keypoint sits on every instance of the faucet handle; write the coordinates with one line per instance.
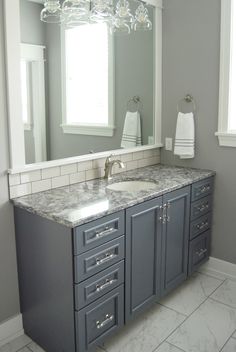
(108, 159)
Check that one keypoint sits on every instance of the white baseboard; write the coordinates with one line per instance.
(10, 329)
(219, 268)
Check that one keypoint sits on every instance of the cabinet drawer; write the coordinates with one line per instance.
(198, 251)
(201, 207)
(97, 232)
(94, 261)
(98, 285)
(202, 188)
(200, 225)
(100, 319)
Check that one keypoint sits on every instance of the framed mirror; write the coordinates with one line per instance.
(72, 90)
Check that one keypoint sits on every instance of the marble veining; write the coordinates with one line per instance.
(86, 201)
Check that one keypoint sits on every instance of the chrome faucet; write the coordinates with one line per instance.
(109, 165)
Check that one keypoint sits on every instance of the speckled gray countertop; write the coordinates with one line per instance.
(82, 202)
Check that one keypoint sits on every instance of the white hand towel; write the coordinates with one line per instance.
(132, 130)
(185, 136)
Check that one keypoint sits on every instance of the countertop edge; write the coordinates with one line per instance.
(70, 224)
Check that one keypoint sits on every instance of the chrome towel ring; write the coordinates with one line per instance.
(187, 99)
(137, 103)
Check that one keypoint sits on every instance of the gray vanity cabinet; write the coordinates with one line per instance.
(79, 285)
(143, 256)
(175, 237)
(157, 237)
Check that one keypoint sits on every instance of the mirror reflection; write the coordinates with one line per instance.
(84, 89)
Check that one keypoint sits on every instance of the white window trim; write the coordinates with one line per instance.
(93, 130)
(226, 138)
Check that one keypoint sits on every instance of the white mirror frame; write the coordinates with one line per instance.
(16, 128)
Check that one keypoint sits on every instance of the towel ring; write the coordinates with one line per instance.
(187, 99)
(137, 101)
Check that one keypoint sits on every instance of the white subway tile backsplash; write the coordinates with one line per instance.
(137, 155)
(94, 173)
(131, 165)
(99, 163)
(20, 190)
(14, 180)
(68, 169)
(30, 176)
(126, 157)
(85, 165)
(40, 186)
(51, 172)
(60, 181)
(41, 180)
(148, 162)
(78, 177)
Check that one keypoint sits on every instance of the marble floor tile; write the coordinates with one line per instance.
(186, 298)
(16, 344)
(167, 347)
(234, 335)
(147, 332)
(230, 346)
(24, 349)
(207, 329)
(226, 293)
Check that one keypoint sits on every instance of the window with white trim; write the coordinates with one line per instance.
(227, 102)
(87, 79)
(26, 94)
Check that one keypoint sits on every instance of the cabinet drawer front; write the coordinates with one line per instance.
(98, 285)
(201, 207)
(202, 188)
(97, 232)
(94, 261)
(200, 225)
(100, 319)
(199, 251)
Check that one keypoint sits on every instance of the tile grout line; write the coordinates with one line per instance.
(174, 346)
(231, 337)
(213, 277)
(225, 304)
(187, 318)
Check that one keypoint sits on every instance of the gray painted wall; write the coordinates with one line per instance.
(191, 44)
(9, 301)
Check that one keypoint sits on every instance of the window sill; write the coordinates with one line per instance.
(226, 139)
(105, 131)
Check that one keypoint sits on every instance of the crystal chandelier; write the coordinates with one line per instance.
(72, 13)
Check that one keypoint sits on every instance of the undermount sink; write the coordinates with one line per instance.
(132, 186)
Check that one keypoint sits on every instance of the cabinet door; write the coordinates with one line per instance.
(143, 256)
(175, 236)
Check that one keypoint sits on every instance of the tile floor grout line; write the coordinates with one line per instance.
(225, 304)
(231, 337)
(161, 304)
(175, 346)
(213, 277)
(188, 317)
(208, 296)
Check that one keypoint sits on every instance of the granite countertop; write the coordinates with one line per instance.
(82, 202)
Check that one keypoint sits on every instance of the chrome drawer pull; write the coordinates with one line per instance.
(108, 319)
(201, 252)
(202, 225)
(104, 232)
(108, 256)
(203, 207)
(102, 287)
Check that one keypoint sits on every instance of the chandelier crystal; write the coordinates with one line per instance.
(72, 13)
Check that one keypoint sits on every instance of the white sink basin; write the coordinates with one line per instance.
(132, 186)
